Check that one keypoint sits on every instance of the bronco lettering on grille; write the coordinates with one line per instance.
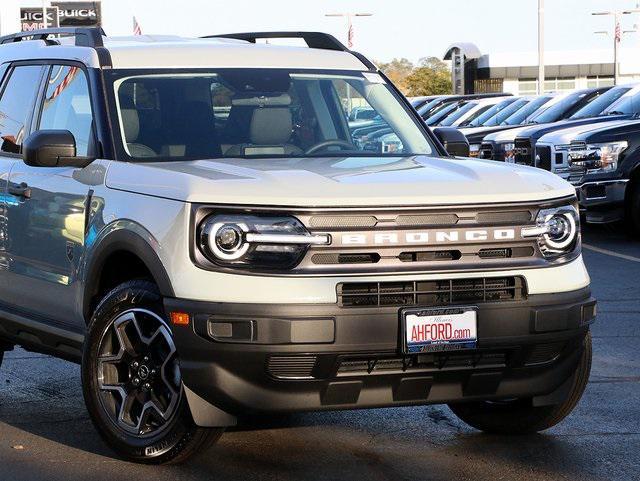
(430, 237)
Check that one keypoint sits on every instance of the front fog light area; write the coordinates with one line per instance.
(557, 230)
(255, 241)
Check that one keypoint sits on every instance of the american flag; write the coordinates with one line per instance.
(618, 33)
(136, 27)
(350, 36)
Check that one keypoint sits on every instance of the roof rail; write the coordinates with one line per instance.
(321, 40)
(85, 36)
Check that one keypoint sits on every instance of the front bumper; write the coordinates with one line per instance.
(239, 358)
(602, 201)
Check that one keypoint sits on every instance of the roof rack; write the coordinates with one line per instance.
(319, 40)
(84, 37)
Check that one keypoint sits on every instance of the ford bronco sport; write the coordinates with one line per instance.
(193, 222)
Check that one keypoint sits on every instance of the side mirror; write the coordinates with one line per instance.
(454, 141)
(52, 148)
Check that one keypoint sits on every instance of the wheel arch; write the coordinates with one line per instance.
(127, 244)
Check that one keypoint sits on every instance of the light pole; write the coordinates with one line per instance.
(350, 36)
(540, 47)
(617, 36)
(349, 17)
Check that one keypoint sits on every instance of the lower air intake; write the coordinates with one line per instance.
(431, 293)
(291, 367)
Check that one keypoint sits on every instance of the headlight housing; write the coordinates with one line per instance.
(557, 230)
(509, 151)
(597, 158)
(262, 242)
(474, 150)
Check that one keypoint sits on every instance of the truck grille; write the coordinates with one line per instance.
(523, 153)
(431, 293)
(543, 157)
(486, 151)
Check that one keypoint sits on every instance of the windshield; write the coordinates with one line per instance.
(601, 103)
(487, 114)
(521, 115)
(557, 110)
(426, 109)
(628, 104)
(441, 112)
(458, 113)
(506, 112)
(245, 113)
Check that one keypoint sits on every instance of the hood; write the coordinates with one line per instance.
(566, 135)
(611, 132)
(338, 182)
(534, 132)
(475, 135)
(507, 135)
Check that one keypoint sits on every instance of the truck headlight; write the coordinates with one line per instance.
(557, 230)
(509, 151)
(255, 241)
(597, 158)
(474, 150)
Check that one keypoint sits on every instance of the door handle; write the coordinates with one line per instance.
(21, 190)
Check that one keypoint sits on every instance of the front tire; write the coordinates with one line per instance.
(131, 380)
(520, 416)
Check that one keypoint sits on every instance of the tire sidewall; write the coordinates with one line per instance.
(134, 294)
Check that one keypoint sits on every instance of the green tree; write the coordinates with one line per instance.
(398, 70)
(432, 77)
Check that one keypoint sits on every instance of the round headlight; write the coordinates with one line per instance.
(562, 230)
(229, 238)
(226, 240)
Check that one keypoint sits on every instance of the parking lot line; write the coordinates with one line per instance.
(610, 253)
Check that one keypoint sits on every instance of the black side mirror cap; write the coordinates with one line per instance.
(52, 148)
(453, 141)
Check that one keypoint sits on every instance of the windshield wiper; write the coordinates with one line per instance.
(615, 112)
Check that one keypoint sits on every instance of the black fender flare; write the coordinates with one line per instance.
(127, 241)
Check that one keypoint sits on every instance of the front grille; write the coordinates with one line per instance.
(358, 366)
(291, 367)
(431, 293)
(486, 151)
(543, 157)
(523, 152)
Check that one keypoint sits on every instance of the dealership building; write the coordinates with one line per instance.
(475, 72)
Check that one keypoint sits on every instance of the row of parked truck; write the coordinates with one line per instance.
(589, 137)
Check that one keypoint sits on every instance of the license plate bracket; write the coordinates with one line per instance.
(438, 329)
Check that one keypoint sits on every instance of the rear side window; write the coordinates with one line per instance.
(67, 106)
(15, 105)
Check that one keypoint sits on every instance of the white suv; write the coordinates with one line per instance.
(194, 221)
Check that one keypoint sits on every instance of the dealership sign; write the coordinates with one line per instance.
(31, 18)
(69, 14)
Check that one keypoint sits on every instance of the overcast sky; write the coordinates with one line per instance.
(398, 28)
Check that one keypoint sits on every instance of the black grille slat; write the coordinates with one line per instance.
(291, 367)
(431, 293)
(523, 155)
(358, 366)
(486, 151)
(543, 157)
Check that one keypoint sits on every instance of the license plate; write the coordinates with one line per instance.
(439, 329)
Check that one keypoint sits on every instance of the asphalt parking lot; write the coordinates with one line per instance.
(45, 432)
